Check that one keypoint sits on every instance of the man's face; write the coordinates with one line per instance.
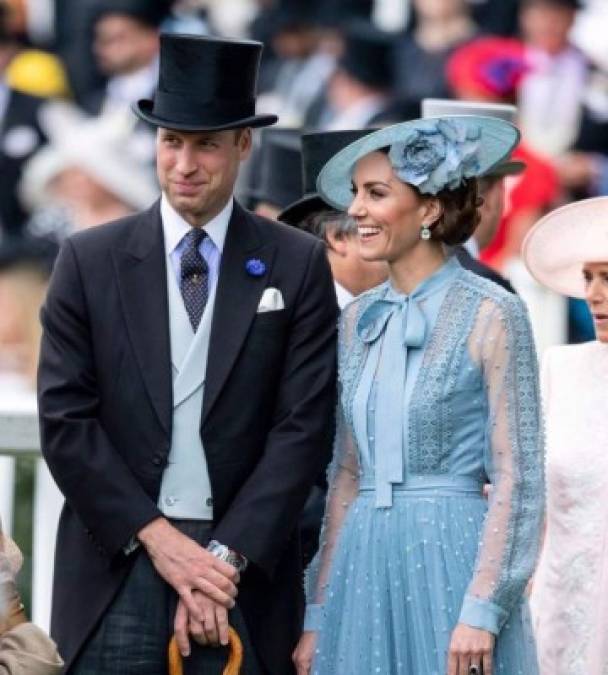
(123, 45)
(197, 170)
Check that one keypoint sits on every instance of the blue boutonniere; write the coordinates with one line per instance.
(255, 267)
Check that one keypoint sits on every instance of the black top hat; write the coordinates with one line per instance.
(368, 55)
(279, 168)
(144, 11)
(205, 84)
(317, 150)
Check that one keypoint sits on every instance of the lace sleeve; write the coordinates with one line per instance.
(343, 486)
(503, 346)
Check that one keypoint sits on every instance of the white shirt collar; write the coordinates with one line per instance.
(175, 227)
(343, 296)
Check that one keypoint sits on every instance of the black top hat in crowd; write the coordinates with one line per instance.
(317, 150)
(368, 54)
(205, 84)
(278, 167)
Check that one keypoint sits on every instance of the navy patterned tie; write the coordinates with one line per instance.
(194, 283)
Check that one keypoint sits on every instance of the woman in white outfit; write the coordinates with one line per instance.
(568, 252)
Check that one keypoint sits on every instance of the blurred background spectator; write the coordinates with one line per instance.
(327, 65)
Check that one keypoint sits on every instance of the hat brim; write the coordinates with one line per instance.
(498, 138)
(511, 167)
(557, 247)
(143, 110)
(295, 213)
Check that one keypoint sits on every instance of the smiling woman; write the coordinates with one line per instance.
(417, 573)
(568, 252)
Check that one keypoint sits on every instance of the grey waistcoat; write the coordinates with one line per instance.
(185, 490)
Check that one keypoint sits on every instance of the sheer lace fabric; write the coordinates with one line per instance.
(440, 554)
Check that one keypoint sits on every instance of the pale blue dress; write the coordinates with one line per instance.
(439, 395)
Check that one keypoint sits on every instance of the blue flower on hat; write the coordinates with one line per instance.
(255, 267)
(437, 154)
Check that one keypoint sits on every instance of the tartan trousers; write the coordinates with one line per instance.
(134, 633)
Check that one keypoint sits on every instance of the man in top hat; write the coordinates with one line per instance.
(275, 177)
(351, 274)
(186, 394)
(491, 185)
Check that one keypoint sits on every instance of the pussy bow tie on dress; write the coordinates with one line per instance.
(401, 322)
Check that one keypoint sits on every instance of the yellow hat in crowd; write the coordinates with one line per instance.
(38, 73)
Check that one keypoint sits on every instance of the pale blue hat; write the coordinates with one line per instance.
(430, 154)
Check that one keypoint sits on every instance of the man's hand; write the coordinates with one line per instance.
(188, 567)
(304, 651)
(212, 630)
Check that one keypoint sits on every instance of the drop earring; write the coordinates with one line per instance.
(425, 232)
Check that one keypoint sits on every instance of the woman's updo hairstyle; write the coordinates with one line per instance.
(460, 214)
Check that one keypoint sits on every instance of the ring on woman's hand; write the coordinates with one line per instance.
(474, 670)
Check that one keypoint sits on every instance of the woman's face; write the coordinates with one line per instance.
(596, 294)
(387, 211)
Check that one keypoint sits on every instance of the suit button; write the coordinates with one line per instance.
(157, 460)
(209, 501)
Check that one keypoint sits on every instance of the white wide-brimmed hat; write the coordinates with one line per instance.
(103, 147)
(558, 246)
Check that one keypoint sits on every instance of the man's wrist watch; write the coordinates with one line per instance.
(226, 554)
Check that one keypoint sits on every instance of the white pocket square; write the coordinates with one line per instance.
(271, 301)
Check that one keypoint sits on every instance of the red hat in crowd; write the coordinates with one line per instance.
(489, 67)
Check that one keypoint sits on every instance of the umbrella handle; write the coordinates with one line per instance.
(235, 658)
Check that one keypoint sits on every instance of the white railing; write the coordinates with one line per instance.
(19, 436)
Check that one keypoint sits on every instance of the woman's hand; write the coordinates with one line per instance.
(303, 653)
(470, 647)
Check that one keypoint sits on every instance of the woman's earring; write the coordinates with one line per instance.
(425, 232)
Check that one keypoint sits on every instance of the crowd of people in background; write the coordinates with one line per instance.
(73, 155)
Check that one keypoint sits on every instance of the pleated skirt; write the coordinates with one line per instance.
(396, 586)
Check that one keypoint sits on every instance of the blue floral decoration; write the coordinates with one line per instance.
(436, 155)
(255, 267)
(503, 74)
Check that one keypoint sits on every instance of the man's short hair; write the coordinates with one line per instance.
(320, 222)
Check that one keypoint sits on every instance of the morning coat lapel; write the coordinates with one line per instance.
(237, 298)
(142, 282)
